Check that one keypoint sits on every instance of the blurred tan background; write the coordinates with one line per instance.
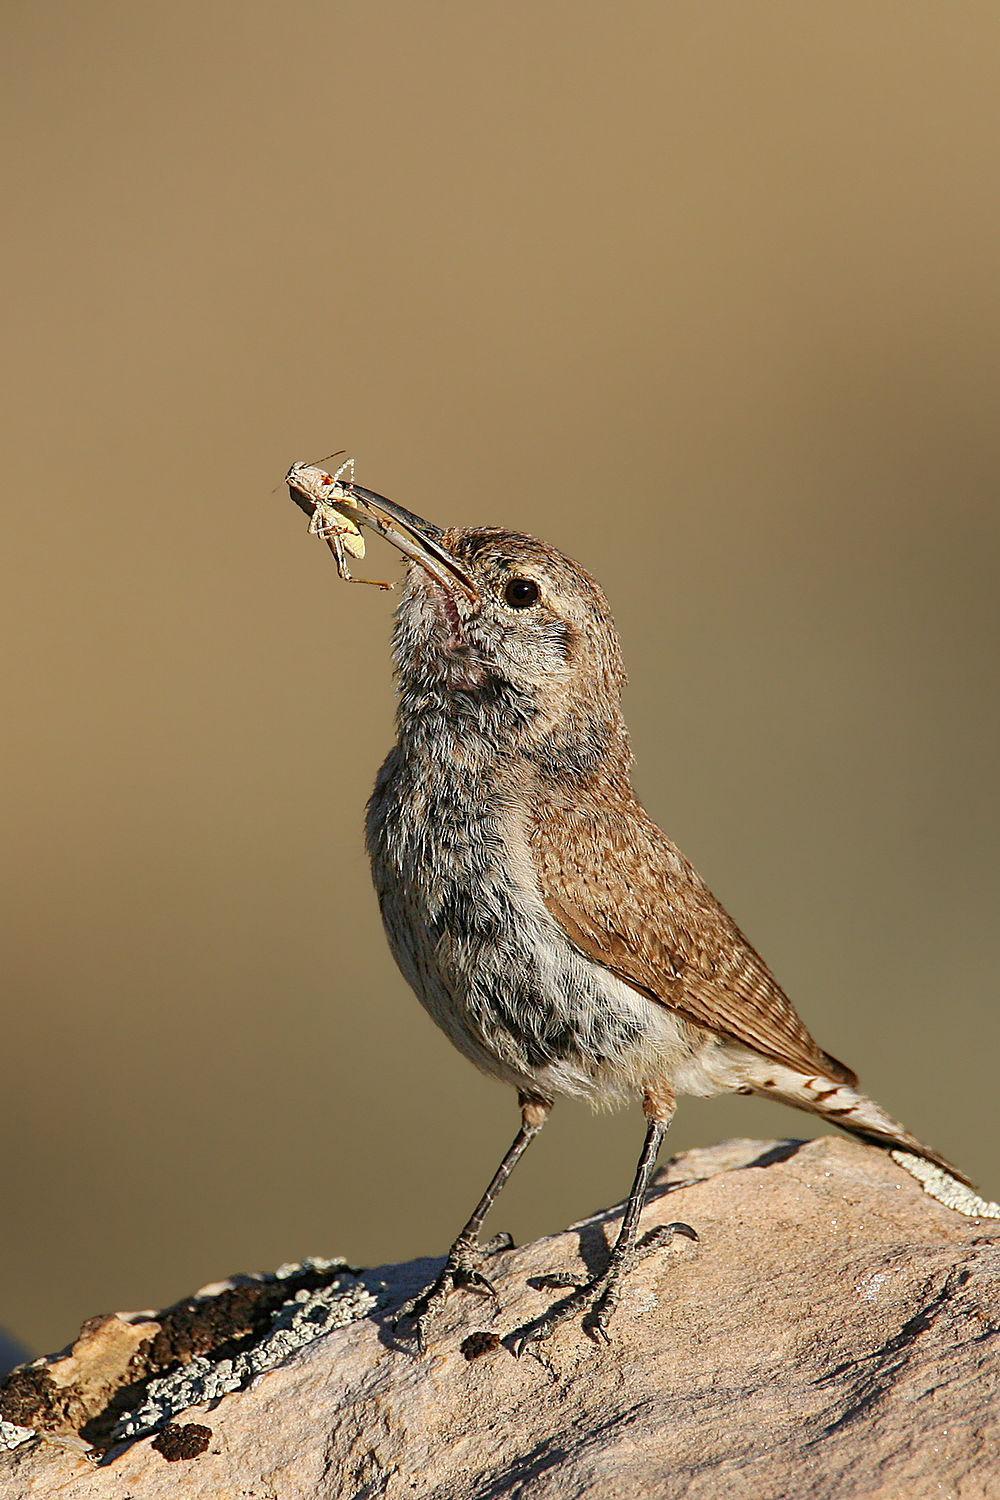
(706, 294)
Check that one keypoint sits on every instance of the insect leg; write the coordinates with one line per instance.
(336, 546)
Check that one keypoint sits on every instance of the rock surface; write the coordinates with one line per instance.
(834, 1334)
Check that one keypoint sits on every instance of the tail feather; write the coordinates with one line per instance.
(884, 1131)
(837, 1099)
(843, 1105)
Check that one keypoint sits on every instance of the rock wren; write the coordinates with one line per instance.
(549, 927)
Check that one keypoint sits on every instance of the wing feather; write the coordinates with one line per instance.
(627, 898)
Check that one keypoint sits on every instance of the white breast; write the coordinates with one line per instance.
(468, 927)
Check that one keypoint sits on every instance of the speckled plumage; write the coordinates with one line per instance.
(553, 931)
(550, 928)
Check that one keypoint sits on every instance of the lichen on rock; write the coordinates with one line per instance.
(129, 1373)
(836, 1334)
(12, 1435)
(306, 1317)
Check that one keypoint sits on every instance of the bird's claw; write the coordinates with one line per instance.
(460, 1273)
(555, 1280)
(528, 1340)
(661, 1235)
(499, 1243)
(598, 1331)
(583, 1294)
(599, 1296)
(471, 1280)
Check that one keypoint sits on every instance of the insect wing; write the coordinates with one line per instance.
(329, 520)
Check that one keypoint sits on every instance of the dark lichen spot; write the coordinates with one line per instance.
(29, 1399)
(218, 1327)
(178, 1441)
(479, 1343)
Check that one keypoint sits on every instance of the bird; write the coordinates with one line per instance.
(550, 928)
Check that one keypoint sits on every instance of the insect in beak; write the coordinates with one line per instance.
(337, 507)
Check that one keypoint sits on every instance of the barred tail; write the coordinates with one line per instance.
(845, 1106)
(862, 1117)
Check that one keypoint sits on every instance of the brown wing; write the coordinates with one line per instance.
(627, 897)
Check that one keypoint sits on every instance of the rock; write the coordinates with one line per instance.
(834, 1334)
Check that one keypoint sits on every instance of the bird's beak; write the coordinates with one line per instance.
(417, 539)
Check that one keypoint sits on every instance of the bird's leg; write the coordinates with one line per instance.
(602, 1293)
(461, 1269)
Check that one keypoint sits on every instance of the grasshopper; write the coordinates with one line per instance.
(332, 503)
(337, 509)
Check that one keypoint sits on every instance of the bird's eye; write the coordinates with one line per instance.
(521, 593)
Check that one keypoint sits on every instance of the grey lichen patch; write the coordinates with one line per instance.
(306, 1317)
(12, 1435)
(199, 1349)
(940, 1184)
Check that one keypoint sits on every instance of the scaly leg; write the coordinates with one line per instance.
(461, 1269)
(602, 1293)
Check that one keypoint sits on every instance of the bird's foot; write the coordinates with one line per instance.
(461, 1271)
(598, 1298)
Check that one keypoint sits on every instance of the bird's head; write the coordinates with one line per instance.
(511, 642)
(503, 645)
